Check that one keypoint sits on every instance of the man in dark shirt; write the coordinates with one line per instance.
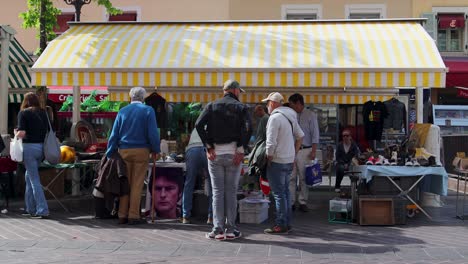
(224, 127)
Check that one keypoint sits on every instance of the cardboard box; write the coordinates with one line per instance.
(376, 211)
(460, 163)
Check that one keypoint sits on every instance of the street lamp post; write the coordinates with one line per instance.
(78, 4)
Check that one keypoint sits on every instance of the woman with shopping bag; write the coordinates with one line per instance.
(32, 129)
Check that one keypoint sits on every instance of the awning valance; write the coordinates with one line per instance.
(451, 21)
(255, 97)
(372, 54)
(457, 75)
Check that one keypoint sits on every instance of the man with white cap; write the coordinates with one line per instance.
(283, 140)
(224, 127)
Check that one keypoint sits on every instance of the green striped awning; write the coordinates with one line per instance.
(15, 98)
(18, 72)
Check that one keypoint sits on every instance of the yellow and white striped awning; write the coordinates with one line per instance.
(348, 53)
(256, 97)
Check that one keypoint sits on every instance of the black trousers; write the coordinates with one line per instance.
(340, 172)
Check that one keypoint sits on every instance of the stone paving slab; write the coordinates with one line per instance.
(78, 238)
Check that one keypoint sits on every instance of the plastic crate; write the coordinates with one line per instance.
(249, 217)
(252, 205)
(253, 212)
(340, 205)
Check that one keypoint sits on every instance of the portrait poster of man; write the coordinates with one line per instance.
(167, 192)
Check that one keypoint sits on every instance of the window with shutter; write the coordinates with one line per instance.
(301, 12)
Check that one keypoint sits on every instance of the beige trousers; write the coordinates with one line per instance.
(136, 160)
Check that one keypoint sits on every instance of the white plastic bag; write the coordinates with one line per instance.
(16, 149)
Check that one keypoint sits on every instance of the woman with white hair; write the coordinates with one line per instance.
(134, 135)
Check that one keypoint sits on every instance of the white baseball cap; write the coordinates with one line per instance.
(275, 97)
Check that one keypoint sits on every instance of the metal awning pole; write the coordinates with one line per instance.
(76, 105)
(419, 105)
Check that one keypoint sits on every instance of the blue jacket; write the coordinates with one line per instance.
(134, 127)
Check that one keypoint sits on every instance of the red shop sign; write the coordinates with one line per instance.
(462, 93)
(60, 98)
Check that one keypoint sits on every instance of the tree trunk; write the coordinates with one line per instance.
(42, 27)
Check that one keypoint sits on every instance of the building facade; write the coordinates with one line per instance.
(163, 10)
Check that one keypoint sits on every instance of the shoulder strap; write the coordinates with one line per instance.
(292, 129)
(39, 115)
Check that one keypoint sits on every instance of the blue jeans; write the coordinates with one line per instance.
(34, 198)
(196, 162)
(278, 178)
(225, 180)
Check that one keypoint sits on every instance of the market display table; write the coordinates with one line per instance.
(461, 175)
(87, 166)
(437, 178)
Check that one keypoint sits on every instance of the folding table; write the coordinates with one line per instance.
(461, 175)
(61, 167)
(438, 182)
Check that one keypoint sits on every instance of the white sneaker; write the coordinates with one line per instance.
(416, 163)
(386, 162)
(394, 158)
(409, 163)
(379, 160)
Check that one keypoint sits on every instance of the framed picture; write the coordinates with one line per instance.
(166, 190)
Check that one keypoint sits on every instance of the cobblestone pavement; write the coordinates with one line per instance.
(78, 238)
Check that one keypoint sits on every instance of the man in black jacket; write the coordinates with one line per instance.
(224, 127)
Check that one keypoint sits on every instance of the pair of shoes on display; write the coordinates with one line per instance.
(380, 160)
(303, 208)
(370, 160)
(394, 158)
(277, 230)
(432, 162)
(185, 220)
(412, 162)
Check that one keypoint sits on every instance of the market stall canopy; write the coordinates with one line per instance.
(260, 54)
(18, 71)
(457, 75)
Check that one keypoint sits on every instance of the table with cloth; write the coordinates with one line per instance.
(433, 179)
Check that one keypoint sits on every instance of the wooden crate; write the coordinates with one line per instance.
(376, 211)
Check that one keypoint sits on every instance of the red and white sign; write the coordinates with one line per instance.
(59, 94)
(462, 93)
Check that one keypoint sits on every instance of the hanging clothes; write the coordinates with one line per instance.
(396, 118)
(159, 105)
(373, 114)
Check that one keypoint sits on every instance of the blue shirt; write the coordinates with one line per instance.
(134, 127)
(309, 124)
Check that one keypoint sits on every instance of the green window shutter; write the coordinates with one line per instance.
(431, 24)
